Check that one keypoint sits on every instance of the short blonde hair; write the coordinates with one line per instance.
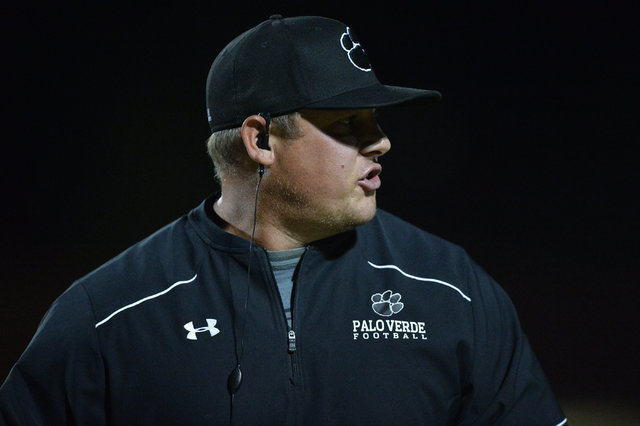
(227, 151)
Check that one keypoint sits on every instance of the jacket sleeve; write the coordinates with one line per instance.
(506, 382)
(59, 379)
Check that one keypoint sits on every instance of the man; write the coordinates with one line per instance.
(286, 298)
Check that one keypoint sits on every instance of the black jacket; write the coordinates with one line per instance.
(392, 326)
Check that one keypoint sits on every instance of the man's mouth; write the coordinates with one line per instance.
(370, 181)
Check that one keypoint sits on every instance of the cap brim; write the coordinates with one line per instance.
(378, 96)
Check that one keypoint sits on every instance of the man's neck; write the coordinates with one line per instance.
(237, 213)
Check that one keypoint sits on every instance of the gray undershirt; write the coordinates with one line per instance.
(283, 264)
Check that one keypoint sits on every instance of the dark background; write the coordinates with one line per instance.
(528, 162)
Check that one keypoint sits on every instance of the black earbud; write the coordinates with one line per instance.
(263, 140)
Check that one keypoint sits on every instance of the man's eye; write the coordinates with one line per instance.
(347, 121)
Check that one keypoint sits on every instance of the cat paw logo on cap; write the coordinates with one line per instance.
(355, 52)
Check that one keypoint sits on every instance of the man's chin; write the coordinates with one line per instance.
(368, 217)
(356, 219)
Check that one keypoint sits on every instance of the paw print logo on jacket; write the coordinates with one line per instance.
(387, 303)
(355, 52)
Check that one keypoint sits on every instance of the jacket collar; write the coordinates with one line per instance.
(205, 222)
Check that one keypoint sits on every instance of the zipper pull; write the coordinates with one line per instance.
(292, 341)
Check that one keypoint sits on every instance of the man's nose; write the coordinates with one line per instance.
(376, 144)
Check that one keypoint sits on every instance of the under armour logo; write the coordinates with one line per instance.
(211, 328)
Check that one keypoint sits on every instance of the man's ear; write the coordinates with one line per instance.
(253, 130)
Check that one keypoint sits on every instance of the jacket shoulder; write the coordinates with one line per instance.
(390, 241)
(407, 238)
(169, 255)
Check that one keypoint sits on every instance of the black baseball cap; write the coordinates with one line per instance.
(288, 64)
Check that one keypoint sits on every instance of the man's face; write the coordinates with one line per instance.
(325, 181)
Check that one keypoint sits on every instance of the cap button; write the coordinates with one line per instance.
(273, 17)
